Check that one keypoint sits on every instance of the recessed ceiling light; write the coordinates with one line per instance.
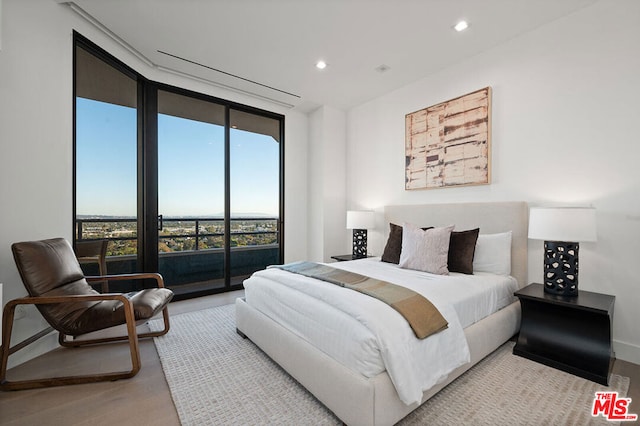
(321, 65)
(461, 26)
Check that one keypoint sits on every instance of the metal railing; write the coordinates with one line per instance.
(204, 231)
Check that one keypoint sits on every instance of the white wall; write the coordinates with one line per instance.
(326, 185)
(565, 117)
(36, 139)
(295, 192)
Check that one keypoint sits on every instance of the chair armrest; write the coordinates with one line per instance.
(136, 276)
(47, 300)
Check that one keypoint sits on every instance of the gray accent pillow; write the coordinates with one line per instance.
(426, 251)
(392, 249)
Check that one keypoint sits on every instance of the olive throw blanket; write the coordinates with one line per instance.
(422, 316)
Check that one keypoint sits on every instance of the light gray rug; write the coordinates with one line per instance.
(218, 378)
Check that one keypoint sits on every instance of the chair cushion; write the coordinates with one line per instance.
(148, 302)
(50, 268)
(47, 264)
(109, 313)
(62, 315)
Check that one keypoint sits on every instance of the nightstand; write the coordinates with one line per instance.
(344, 257)
(572, 334)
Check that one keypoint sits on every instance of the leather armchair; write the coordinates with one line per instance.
(58, 288)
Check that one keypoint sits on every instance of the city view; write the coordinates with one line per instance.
(178, 234)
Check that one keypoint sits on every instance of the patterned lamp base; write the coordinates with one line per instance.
(359, 243)
(561, 268)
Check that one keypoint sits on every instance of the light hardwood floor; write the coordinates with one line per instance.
(142, 400)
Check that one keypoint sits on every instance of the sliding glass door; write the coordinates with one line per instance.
(191, 193)
(219, 193)
(254, 169)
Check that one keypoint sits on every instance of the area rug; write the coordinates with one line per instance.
(216, 377)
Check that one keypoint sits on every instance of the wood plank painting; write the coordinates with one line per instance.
(448, 144)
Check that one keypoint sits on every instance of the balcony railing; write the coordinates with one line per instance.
(180, 234)
(191, 250)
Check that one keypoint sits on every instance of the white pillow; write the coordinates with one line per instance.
(493, 253)
(426, 251)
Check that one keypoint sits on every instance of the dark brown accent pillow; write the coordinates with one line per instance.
(393, 248)
(391, 253)
(462, 248)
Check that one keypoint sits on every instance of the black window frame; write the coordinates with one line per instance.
(147, 161)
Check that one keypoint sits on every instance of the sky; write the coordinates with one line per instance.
(190, 165)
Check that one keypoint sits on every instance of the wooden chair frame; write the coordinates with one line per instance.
(94, 251)
(132, 335)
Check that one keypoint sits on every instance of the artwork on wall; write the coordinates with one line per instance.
(448, 144)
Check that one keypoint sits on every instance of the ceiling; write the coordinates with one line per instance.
(268, 48)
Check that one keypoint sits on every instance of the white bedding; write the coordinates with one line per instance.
(367, 336)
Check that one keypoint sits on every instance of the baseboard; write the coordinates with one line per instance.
(627, 352)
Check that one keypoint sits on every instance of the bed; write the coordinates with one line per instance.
(371, 398)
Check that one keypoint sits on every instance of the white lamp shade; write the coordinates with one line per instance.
(568, 224)
(360, 219)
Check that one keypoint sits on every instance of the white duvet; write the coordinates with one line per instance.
(368, 336)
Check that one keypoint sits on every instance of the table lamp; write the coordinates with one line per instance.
(360, 221)
(562, 229)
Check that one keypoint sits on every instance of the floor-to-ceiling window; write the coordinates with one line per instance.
(105, 160)
(175, 181)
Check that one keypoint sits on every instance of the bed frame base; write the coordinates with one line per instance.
(353, 398)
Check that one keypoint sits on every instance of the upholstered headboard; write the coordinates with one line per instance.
(489, 217)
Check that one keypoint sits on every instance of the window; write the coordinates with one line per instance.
(178, 182)
(106, 145)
